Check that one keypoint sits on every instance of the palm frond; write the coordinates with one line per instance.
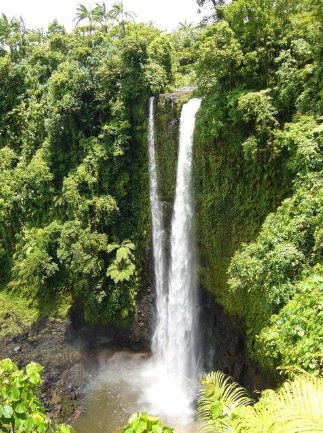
(129, 15)
(298, 406)
(254, 421)
(219, 387)
(219, 397)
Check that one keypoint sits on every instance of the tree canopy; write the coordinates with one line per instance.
(73, 171)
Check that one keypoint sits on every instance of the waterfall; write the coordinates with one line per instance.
(181, 354)
(175, 371)
(158, 239)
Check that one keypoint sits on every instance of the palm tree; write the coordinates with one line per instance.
(118, 14)
(185, 26)
(101, 15)
(9, 32)
(186, 30)
(23, 31)
(84, 13)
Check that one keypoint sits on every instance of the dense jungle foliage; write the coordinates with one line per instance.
(74, 200)
(258, 174)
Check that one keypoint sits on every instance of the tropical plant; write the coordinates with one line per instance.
(294, 408)
(143, 423)
(122, 268)
(83, 13)
(120, 15)
(299, 406)
(9, 32)
(20, 407)
(220, 398)
(102, 15)
(293, 338)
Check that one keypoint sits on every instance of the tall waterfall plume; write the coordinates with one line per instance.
(181, 356)
(175, 370)
(158, 239)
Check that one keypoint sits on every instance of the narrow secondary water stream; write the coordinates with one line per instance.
(164, 385)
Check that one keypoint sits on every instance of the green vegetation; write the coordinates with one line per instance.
(144, 423)
(258, 174)
(17, 313)
(296, 407)
(219, 401)
(21, 410)
(74, 201)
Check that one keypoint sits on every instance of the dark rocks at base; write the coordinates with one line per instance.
(93, 338)
(72, 352)
(65, 371)
(224, 347)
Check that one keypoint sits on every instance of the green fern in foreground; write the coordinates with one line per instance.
(297, 407)
(220, 399)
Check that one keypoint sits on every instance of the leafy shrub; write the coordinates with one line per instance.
(143, 423)
(21, 410)
(294, 336)
(35, 264)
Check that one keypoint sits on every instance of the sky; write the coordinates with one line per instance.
(165, 14)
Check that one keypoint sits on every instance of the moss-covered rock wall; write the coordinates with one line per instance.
(233, 196)
(167, 118)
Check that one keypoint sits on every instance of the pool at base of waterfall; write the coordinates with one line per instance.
(128, 383)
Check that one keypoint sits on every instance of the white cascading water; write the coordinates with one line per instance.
(175, 369)
(158, 237)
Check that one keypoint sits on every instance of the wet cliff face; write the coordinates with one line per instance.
(167, 122)
(233, 196)
(228, 211)
(223, 340)
(224, 346)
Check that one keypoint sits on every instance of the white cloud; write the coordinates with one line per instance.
(165, 14)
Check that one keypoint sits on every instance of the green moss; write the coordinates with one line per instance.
(168, 112)
(18, 313)
(233, 197)
(15, 314)
(167, 124)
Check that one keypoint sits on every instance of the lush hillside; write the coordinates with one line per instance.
(74, 200)
(258, 174)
